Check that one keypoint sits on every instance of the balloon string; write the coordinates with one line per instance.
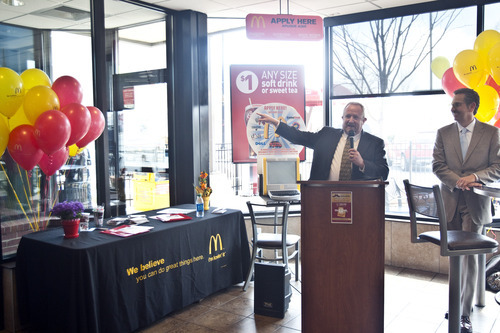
(31, 201)
(26, 195)
(38, 206)
(17, 197)
(46, 196)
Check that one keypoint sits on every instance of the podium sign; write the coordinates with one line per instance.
(342, 260)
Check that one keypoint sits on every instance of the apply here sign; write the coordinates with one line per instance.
(284, 27)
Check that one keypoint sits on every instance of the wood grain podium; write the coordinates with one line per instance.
(342, 230)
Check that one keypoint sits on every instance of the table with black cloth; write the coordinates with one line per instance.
(105, 283)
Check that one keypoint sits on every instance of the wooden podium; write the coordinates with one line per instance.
(342, 232)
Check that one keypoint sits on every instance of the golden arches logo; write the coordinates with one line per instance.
(18, 147)
(258, 19)
(214, 239)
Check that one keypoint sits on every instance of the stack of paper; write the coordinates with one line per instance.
(127, 230)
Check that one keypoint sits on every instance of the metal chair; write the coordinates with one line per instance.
(428, 201)
(277, 240)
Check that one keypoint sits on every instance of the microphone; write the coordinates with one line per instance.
(351, 138)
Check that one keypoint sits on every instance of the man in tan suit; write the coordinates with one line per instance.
(466, 154)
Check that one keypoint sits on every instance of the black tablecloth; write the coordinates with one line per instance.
(104, 283)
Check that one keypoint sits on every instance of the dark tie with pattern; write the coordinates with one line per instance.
(345, 165)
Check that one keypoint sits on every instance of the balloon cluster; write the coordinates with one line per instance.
(43, 123)
(478, 69)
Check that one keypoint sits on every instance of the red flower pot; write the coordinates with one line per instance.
(71, 228)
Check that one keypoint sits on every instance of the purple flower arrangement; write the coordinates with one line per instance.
(68, 210)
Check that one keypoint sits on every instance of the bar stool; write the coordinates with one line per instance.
(481, 258)
(427, 201)
(277, 240)
(481, 267)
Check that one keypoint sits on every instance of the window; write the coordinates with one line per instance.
(394, 55)
(232, 47)
(386, 65)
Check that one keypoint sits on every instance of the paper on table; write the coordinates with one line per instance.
(138, 219)
(172, 217)
(127, 230)
(176, 211)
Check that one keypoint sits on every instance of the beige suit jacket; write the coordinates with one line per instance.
(482, 158)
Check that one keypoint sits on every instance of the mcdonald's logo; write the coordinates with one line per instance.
(258, 19)
(472, 68)
(215, 247)
(18, 147)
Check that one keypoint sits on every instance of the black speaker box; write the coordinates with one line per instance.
(272, 290)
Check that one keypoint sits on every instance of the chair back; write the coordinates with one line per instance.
(279, 222)
(426, 201)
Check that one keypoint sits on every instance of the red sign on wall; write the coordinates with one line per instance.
(284, 27)
(275, 90)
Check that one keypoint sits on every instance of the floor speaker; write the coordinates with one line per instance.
(272, 290)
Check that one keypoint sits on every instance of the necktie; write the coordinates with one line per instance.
(464, 142)
(345, 164)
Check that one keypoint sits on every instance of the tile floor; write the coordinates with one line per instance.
(415, 301)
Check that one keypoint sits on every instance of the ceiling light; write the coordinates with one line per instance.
(14, 3)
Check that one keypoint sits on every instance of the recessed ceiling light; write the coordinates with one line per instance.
(14, 3)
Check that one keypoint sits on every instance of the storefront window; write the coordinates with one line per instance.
(394, 55)
(233, 48)
(395, 58)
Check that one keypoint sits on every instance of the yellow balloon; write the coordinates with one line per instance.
(470, 69)
(485, 41)
(35, 77)
(11, 91)
(38, 100)
(439, 65)
(488, 103)
(4, 135)
(74, 150)
(494, 62)
(18, 119)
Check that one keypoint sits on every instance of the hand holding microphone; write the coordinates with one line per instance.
(351, 138)
(354, 155)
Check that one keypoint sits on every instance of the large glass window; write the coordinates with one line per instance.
(382, 64)
(394, 55)
(230, 48)
(138, 126)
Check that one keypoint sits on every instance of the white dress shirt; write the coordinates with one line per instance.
(337, 157)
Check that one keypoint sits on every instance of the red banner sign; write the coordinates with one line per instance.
(275, 90)
(284, 27)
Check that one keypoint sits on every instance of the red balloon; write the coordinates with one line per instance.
(68, 89)
(497, 123)
(52, 131)
(97, 124)
(79, 118)
(492, 83)
(23, 148)
(450, 82)
(51, 163)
